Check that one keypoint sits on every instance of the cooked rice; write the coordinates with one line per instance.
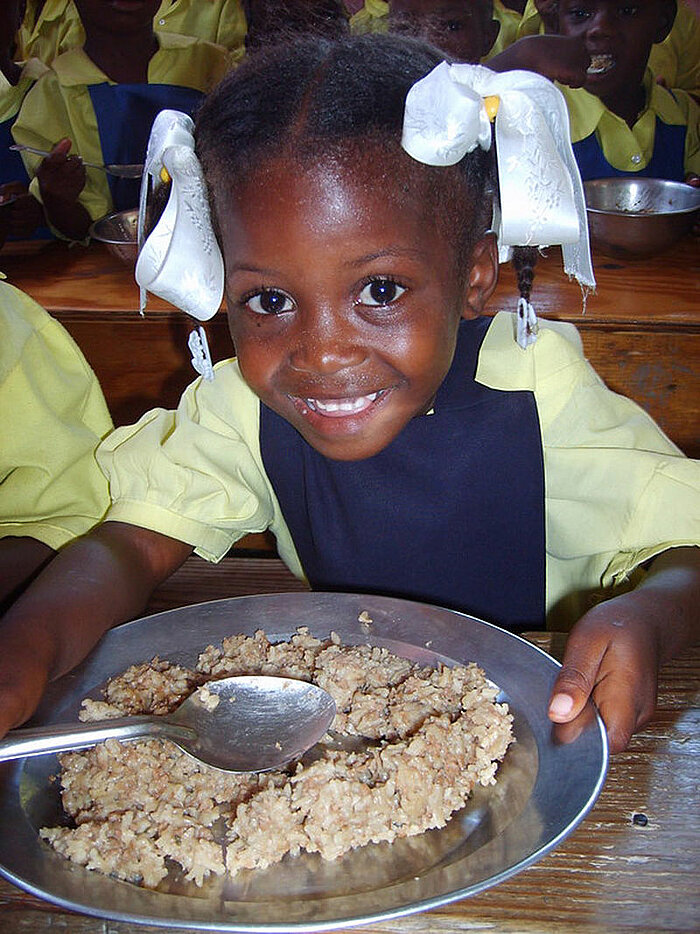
(139, 807)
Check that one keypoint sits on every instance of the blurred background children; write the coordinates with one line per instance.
(98, 102)
(271, 20)
(675, 62)
(464, 29)
(20, 213)
(49, 27)
(52, 416)
(623, 122)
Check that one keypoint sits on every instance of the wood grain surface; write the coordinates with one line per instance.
(614, 873)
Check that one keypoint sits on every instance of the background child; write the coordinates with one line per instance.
(52, 416)
(272, 20)
(48, 28)
(99, 102)
(368, 385)
(464, 29)
(20, 214)
(622, 121)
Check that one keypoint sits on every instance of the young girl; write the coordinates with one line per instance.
(393, 438)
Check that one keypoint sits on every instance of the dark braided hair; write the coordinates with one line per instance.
(316, 98)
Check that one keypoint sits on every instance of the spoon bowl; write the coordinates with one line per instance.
(246, 723)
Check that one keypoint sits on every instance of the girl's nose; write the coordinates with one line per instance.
(325, 344)
(601, 22)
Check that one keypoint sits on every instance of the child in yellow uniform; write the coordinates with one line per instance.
(623, 122)
(52, 417)
(675, 61)
(20, 213)
(352, 185)
(219, 21)
(98, 102)
(49, 28)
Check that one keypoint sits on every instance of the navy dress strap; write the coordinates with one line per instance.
(667, 160)
(451, 512)
(125, 114)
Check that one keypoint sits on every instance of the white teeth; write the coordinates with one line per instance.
(331, 406)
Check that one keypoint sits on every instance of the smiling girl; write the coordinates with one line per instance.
(393, 438)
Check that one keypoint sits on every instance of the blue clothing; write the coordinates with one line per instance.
(11, 166)
(125, 115)
(441, 515)
(667, 160)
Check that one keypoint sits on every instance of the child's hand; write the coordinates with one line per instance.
(21, 213)
(61, 179)
(614, 652)
(559, 58)
(61, 176)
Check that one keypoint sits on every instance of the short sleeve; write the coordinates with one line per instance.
(52, 417)
(195, 473)
(617, 490)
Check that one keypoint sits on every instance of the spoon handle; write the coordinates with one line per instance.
(36, 741)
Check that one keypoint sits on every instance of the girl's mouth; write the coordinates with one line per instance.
(601, 64)
(340, 407)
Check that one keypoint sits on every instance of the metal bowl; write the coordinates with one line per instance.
(119, 231)
(636, 217)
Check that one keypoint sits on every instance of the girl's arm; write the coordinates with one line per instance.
(91, 585)
(614, 652)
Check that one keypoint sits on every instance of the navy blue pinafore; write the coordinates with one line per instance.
(450, 513)
(667, 160)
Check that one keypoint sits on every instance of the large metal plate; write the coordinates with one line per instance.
(546, 785)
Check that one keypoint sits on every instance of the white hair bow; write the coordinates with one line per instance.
(180, 261)
(541, 194)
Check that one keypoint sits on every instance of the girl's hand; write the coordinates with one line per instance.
(614, 652)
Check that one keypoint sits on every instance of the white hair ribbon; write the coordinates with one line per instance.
(541, 194)
(180, 261)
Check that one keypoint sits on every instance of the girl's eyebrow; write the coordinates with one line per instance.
(389, 251)
(246, 267)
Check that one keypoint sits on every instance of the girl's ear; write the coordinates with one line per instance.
(482, 276)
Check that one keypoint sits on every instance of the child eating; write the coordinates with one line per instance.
(623, 122)
(393, 438)
(98, 102)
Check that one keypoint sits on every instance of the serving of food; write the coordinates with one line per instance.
(435, 733)
(432, 785)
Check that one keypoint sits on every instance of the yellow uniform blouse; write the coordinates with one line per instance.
(617, 490)
(630, 149)
(52, 416)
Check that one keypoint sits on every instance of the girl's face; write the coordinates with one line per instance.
(622, 33)
(343, 299)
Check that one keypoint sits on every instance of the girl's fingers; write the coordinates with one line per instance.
(576, 680)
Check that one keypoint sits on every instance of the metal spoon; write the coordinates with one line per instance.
(121, 171)
(248, 723)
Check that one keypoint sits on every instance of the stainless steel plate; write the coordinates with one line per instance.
(546, 784)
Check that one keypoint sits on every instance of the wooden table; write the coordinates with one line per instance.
(633, 864)
(641, 330)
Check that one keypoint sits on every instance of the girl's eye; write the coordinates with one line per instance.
(269, 302)
(629, 10)
(380, 292)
